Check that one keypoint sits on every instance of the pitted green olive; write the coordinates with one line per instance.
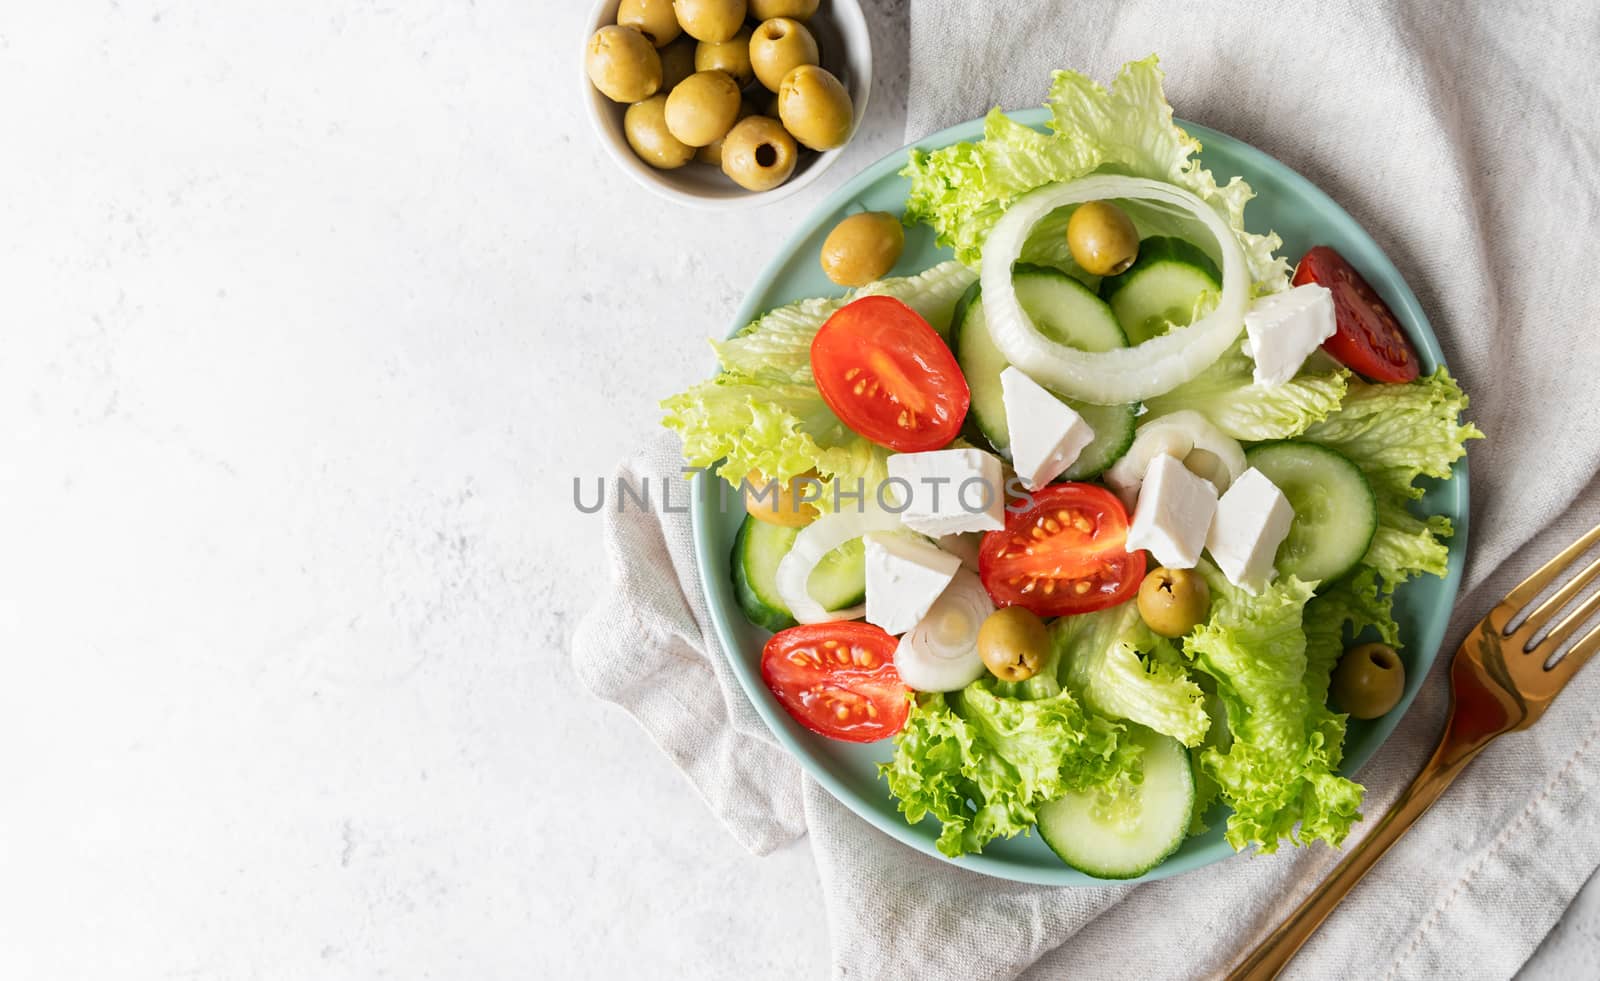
(703, 107)
(1102, 238)
(1013, 643)
(645, 125)
(815, 107)
(710, 20)
(731, 56)
(1174, 601)
(758, 153)
(778, 47)
(622, 64)
(1368, 681)
(652, 18)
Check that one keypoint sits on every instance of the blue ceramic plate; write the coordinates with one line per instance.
(1286, 203)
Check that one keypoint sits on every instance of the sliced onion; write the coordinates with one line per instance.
(941, 652)
(1176, 434)
(1129, 374)
(816, 540)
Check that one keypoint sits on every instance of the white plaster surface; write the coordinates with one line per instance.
(310, 310)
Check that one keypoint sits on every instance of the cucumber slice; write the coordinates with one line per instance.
(1335, 512)
(1160, 288)
(1054, 300)
(1124, 845)
(838, 581)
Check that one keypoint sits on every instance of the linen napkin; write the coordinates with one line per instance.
(1465, 141)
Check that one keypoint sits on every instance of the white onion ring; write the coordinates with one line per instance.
(816, 540)
(1175, 434)
(1125, 375)
(929, 657)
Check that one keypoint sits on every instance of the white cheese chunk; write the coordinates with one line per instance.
(1284, 328)
(1174, 513)
(964, 546)
(904, 576)
(948, 491)
(1046, 434)
(1252, 520)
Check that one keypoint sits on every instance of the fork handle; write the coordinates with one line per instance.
(1275, 952)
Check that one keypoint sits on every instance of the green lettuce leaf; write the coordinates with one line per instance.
(1398, 434)
(961, 190)
(764, 413)
(982, 763)
(1336, 615)
(1227, 394)
(1101, 657)
(1277, 773)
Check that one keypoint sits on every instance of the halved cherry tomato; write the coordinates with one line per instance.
(1067, 553)
(1368, 340)
(887, 375)
(838, 679)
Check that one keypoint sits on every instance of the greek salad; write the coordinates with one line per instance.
(1088, 519)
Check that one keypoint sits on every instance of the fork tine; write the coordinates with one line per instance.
(1561, 597)
(1531, 587)
(1570, 623)
(1577, 656)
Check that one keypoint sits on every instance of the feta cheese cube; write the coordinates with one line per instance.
(1046, 435)
(904, 576)
(1252, 520)
(1284, 328)
(1174, 513)
(963, 546)
(949, 491)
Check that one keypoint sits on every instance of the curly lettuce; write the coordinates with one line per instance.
(982, 761)
(1227, 394)
(1398, 434)
(763, 411)
(961, 190)
(1278, 772)
(1117, 665)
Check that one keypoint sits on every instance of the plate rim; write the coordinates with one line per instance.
(1390, 282)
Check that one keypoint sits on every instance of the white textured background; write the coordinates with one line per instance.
(310, 311)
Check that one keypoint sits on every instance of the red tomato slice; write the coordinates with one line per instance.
(838, 679)
(889, 376)
(1067, 553)
(1369, 340)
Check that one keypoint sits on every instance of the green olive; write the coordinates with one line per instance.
(645, 125)
(1368, 681)
(652, 18)
(1013, 643)
(1174, 601)
(758, 154)
(862, 248)
(622, 64)
(768, 9)
(703, 107)
(815, 107)
(731, 56)
(710, 20)
(711, 153)
(677, 62)
(778, 47)
(1102, 238)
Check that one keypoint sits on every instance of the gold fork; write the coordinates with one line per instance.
(1499, 683)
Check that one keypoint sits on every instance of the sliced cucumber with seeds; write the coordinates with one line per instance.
(1068, 312)
(1126, 838)
(838, 581)
(1335, 512)
(1160, 288)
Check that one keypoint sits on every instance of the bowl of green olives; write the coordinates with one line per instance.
(721, 104)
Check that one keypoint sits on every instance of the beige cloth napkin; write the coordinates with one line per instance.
(1467, 142)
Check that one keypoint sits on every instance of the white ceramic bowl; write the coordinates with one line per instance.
(846, 51)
